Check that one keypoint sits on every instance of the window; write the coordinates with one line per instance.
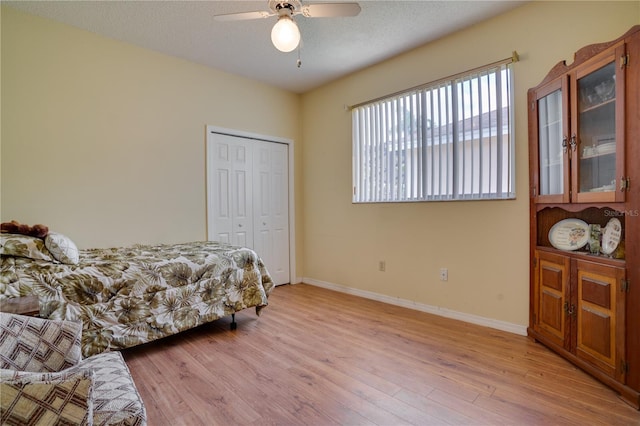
(449, 140)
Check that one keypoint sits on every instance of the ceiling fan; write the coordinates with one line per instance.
(285, 34)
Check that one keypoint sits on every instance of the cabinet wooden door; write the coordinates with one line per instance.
(600, 316)
(552, 298)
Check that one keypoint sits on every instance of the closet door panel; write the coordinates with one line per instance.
(219, 172)
(248, 198)
(280, 212)
(271, 209)
(241, 193)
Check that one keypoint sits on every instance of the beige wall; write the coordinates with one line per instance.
(484, 244)
(105, 142)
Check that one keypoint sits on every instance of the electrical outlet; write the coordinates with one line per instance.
(382, 266)
(444, 274)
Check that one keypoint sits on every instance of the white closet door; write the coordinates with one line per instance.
(230, 190)
(248, 198)
(271, 207)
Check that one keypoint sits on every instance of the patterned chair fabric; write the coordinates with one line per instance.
(53, 385)
(47, 398)
(39, 345)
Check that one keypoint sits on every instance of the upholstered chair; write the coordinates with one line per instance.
(45, 381)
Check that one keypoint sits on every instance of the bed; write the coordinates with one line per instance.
(127, 296)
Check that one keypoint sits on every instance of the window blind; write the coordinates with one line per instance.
(450, 140)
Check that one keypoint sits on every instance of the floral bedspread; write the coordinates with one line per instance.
(132, 295)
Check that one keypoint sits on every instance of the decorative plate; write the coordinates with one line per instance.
(569, 234)
(611, 236)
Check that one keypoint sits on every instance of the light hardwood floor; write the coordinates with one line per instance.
(318, 357)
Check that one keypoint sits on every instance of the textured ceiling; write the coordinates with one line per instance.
(331, 47)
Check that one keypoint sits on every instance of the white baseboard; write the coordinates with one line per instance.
(435, 310)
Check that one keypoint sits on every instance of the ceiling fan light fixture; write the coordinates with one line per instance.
(285, 34)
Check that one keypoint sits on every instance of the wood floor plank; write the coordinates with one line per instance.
(441, 413)
(478, 414)
(318, 357)
(388, 362)
(337, 382)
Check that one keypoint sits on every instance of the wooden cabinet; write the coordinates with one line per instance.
(584, 137)
(579, 308)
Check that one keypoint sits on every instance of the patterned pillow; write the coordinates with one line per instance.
(50, 398)
(37, 344)
(62, 248)
(24, 246)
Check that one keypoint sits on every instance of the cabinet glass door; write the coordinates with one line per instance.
(597, 147)
(553, 181)
(550, 143)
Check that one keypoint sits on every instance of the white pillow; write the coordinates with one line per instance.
(62, 248)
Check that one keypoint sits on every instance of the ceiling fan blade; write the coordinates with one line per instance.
(242, 16)
(330, 10)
